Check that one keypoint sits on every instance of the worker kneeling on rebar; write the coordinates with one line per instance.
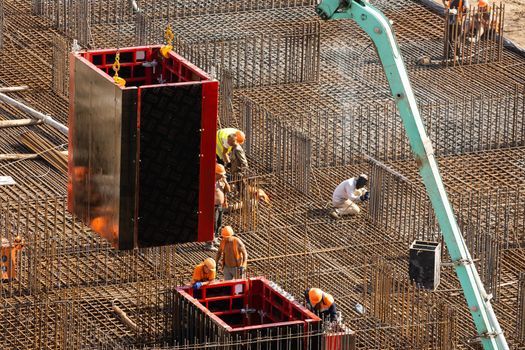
(321, 303)
(204, 273)
(234, 255)
(348, 194)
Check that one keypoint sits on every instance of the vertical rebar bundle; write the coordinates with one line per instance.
(473, 36)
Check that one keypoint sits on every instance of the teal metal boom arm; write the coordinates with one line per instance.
(378, 27)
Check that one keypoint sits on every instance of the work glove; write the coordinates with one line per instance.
(453, 11)
(197, 285)
(365, 196)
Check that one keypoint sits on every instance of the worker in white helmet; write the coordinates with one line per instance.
(348, 194)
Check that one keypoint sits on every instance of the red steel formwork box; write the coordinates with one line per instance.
(249, 311)
(142, 157)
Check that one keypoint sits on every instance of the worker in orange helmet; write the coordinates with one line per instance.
(481, 21)
(321, 303)
(233, 254)
(226, 139)
(456, 24)
(221, 201)
(204, 273)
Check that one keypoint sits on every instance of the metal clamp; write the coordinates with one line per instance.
(462, 262)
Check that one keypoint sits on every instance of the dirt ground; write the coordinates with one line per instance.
(515, 21)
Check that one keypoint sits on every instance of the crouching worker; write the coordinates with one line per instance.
(347, 195)
(204, 273)
(321, 303)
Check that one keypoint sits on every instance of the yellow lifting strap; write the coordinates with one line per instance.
(169, 42)
(116, 67)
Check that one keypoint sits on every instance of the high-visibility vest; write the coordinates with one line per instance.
(222, 137)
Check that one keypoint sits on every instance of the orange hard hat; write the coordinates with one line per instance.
(240, 137)
(219, 169)
(483, 3)
(210, 264)
(227, 231)
(315, 295)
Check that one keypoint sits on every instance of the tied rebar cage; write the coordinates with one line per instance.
(321, 89)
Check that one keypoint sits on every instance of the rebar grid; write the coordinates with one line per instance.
(291, 240)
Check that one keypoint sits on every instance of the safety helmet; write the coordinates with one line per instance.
(227, 231)
(240, 137)
(315, 295)
(219, 169)
(210, 264)
(483, 3)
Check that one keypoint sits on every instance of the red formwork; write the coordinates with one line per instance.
(339, 338)
(251, 308)
(142, 156)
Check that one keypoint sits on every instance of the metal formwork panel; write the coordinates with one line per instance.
(141, 164)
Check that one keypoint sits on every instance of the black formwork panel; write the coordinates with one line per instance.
(170, 123)
(141, 162)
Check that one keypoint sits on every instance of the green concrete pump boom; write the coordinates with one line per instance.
(378, 27)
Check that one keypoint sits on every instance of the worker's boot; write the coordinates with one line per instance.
(334, 214)
(210, 247)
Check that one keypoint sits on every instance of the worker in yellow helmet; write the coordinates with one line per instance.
(226, 139)
(234, 255)
(204, 273)
(321, 303)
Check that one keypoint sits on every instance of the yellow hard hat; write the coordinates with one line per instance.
(210, 264)
(227, 231)
(240, 137)
(219, 169)
(315, 295)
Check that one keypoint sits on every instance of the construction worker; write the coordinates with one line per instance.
(226, 139)
(204, 273)
(481, 21)
(347, 194)
(221, 201)
(239, 162)
(233, 254)
(456, 11)
(321, 303)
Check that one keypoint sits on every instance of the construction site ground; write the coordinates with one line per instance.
(316, 108)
